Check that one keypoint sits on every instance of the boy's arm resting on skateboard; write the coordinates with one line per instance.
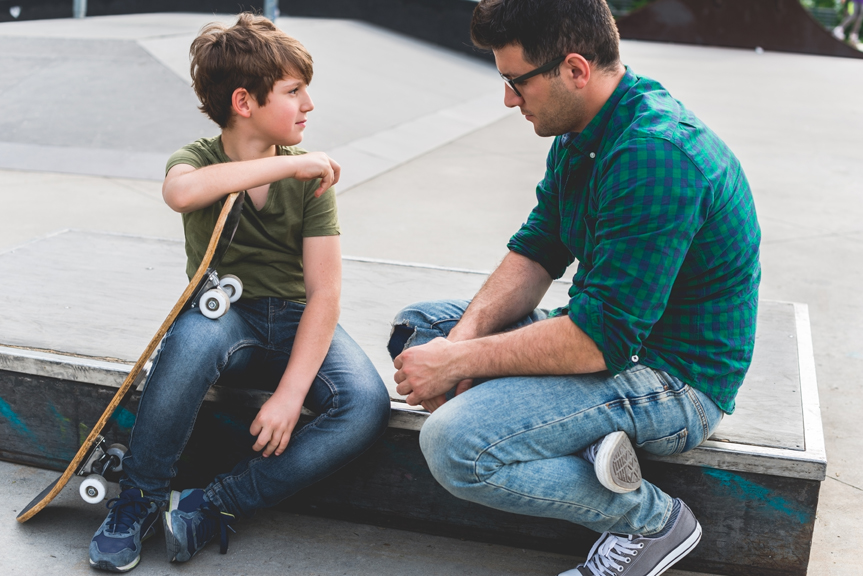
(187, 189)
(322, 272)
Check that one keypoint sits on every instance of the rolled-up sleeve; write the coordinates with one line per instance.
(539, 237)
(651, 201)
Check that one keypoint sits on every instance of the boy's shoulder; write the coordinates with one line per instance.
(291, 150)
(200, 153)
(208, 151)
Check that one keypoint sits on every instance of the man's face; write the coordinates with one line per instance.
(283, 117)
(547, 102)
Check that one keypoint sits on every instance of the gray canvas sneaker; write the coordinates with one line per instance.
(615, 462)
(621, 555)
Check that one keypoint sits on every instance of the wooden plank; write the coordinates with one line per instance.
(95, 295)
(769, 408)
(754, 524)
(51, 304)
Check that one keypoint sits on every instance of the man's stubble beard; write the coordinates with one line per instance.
(565, 111)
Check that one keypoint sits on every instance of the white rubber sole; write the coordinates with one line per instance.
(172, 545)
(678, 553)
(616, 464)
(105, 565)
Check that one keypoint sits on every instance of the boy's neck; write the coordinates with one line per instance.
(241, 146)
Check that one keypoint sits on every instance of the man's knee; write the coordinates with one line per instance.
(422, 322)
(449, 453)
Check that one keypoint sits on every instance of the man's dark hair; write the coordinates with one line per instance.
(547, 29)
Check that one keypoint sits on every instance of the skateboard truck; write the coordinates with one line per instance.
(102, 459)
(217, 295)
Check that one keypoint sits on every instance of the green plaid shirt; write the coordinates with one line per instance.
(658, 213)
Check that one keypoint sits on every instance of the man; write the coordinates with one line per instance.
(659, 329)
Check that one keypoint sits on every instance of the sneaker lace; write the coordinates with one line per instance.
(217, 518)
(608, 551)
(589, 453)
(125, 511)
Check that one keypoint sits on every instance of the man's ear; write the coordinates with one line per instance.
(576, 70)
(241, 102)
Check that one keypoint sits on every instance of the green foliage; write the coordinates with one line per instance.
(809, 4)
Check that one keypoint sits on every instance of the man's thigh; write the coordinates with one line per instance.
(528, 418)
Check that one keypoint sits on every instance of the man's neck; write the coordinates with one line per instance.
(602, 86)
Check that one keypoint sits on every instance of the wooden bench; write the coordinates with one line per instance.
(78, 307)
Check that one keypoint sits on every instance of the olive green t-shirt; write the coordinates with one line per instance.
(267, 250)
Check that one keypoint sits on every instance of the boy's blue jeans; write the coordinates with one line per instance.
(348, 395)
(513, 443)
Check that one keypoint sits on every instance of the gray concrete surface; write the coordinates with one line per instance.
(450, 198)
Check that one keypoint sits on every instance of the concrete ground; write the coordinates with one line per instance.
(436, 171)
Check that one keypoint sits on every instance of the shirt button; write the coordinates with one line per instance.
(634, 358)
(593, 154)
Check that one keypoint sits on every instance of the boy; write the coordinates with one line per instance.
(252, 80)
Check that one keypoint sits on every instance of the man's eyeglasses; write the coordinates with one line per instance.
(512, 82)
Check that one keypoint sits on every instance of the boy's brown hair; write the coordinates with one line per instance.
(252, 54)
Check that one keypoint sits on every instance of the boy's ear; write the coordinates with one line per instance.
(241, 102)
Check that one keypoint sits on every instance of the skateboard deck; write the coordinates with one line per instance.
(223, 233)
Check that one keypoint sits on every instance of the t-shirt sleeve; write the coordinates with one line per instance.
(652, 200)
(539, 237)
(320, 215)
(190, 155)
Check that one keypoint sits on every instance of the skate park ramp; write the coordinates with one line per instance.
(775, 25)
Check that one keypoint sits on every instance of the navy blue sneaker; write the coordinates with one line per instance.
(190, 522)
(116, 546)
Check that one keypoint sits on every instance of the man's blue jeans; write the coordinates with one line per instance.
(513, 443)
(348, 395)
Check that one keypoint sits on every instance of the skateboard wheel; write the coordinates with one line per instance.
(93, 489)
(116, 451)
(232, 286)
(214, 303)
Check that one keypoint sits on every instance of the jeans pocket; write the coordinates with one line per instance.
(666, 446)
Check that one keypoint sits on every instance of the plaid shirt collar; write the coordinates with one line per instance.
(590, 138)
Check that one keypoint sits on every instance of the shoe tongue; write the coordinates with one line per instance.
(126, 509)
(132, 494)
(192, 501)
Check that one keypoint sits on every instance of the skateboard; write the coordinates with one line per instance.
(213, 297)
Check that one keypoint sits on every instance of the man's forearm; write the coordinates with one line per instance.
(512, 292)
(553, 346)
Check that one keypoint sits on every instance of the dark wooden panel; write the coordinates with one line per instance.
(753, 524)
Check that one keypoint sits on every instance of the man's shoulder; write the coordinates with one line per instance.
(648, 110)
(651, 119)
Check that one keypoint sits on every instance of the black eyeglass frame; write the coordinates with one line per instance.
(511, 82)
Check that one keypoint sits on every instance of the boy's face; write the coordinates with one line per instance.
(283, 117)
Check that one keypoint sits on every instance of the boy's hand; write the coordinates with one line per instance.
(317, 165)
(274, 424)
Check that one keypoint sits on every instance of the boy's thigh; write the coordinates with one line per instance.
(346, 376)
(194, 339)
(528, 418)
